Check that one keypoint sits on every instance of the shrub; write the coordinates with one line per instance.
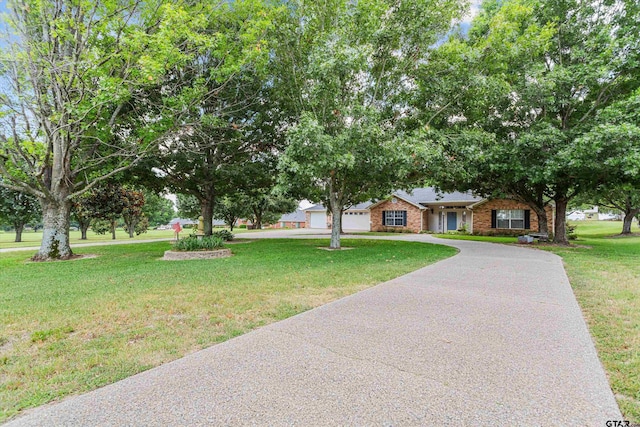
(193, 243)
(225, 235)
(242, 226)
(571, 232)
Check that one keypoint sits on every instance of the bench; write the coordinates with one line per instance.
(542, 237)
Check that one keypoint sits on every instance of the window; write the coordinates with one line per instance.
(394, 218)
(510, 218)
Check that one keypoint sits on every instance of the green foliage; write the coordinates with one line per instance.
(18, 209)
(141, 226)
(232, 207)
(133, 211)
(188, 206)
(100, 226)
(194, 243)
(224, 235)
(537, 103)
(114, 94)
(158, 209)
(353, 67)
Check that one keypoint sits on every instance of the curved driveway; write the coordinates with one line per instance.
(490, 337)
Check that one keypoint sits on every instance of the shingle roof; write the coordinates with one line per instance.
(359, 207)
(417, 196)
(430, 195)
(296, 216)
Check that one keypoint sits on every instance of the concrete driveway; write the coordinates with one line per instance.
(490, 337)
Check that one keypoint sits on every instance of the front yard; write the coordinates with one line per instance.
(69, 327)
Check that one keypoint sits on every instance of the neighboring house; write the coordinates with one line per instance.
(183, 222)
(592, 214)
(296, 219)
(425, 209)
(356, 218)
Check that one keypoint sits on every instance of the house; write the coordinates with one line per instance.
(425, 209)
(184, 222)
(592, 214)
(296, 219)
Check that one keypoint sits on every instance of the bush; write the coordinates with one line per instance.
(242, 226)
(225, 235)
(193, 243)
(571, 232)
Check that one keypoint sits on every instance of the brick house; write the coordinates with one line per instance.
(425, 209)
(295, 219)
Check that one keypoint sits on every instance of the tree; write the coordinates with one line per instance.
(107, 204)
(268, 208)
(188, 206)
(353, 69)
(81, 210)
(135, 220)
(78, 103)
(157, 209)
(203, 160)
(17, 209)
(624, 199)
(545, 71)
(231, 208)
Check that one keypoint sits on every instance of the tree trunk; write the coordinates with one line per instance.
(628, 218)
(55, 234)
(258, 223)
(336, 222)
(206, 210)
(560, 232)
(84, 226)
(131, 228)
(543, 225)
(113, 230)
(19, 228)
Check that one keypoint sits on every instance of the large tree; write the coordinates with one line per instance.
(541, 73)
(81, 99)
(227, 126)
(352, 65)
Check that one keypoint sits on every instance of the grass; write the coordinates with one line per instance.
(69, 327)
(604, 271)
(31, 238)
(605, 276)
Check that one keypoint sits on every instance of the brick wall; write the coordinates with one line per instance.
(414, 216)
(289, 224)
(482, 217)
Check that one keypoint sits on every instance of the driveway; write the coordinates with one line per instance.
(490, 337)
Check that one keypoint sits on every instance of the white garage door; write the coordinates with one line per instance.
(318, 220)
(356, 221)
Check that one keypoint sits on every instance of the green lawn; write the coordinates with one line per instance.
(604, 270)
(69, 327)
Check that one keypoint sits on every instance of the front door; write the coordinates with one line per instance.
(452, 221)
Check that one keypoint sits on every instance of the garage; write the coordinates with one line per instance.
(356, 221)
(318, 219)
